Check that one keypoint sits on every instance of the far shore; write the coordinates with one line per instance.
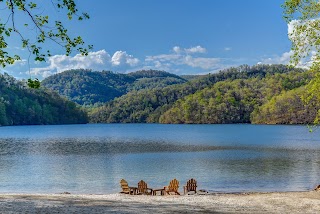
(276, 202)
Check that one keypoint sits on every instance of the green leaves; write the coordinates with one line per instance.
(44, 28)
(304, 20)
(33, 83)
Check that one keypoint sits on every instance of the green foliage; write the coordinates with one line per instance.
(154, 82)
(303, 16)
(90, 88)
(33, 83)
(231, 101)
(44, 28)
(286, 108)
(191, 77)
(187, 103)
(151, 74)
(20, 105)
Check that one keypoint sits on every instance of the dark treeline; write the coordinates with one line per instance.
(20, 105)
(229, 96)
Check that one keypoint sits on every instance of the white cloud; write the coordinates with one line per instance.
(282, 59)
(306, 60)
(286, 57)
(291, 26)
(178, 60)
(99, 60)
(20, 62)
(182, 59)
(307, 43)
(163, 57)
(197, 49)
(176, 49)
(122, 58)
(204, 63)
(227, 49)
(192, 50)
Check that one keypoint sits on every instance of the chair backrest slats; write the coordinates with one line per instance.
(124, 186)
(192, 185)
(142, 187)
(173, 186)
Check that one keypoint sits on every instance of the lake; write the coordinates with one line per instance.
(92, 158)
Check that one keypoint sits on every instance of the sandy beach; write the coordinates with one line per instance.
(288, 202)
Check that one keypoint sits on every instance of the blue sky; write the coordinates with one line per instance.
(178, 36)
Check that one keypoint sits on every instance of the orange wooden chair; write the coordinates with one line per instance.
(126, 189)
(173, 187)
(143, 189)
(191, 186)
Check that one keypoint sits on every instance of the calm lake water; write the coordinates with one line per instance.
(222, 158)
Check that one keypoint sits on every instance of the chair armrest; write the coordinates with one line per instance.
(134, 190)
(158, 189)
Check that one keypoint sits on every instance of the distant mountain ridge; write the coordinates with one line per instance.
(87, 87)
(233, 95)
(264, 94)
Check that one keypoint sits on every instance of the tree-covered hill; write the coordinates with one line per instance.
(20, 105)
(287, 108)
(235, 101)
(151, 105)
(87, 87)
(152, 74)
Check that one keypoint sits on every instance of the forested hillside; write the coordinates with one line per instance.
(20, 105)
(88, 88)
(287, 108)
(229, 96)
(234, 101)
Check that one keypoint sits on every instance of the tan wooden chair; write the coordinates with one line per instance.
(143, 188)
(191, 186)
(126, 189)
(173, 187)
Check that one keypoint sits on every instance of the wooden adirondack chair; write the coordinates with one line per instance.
(143, 188)
(191, 186)
(173, 187)
(126, 189)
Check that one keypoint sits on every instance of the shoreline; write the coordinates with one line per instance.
(253, 202)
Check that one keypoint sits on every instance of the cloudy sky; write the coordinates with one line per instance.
(178, 36)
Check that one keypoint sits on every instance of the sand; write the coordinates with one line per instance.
(288, 202)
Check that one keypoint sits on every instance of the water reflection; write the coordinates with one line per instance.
(95, 164)
(92, 146)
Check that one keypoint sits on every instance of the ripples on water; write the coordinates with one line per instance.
(83, 146)
(95, 164)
